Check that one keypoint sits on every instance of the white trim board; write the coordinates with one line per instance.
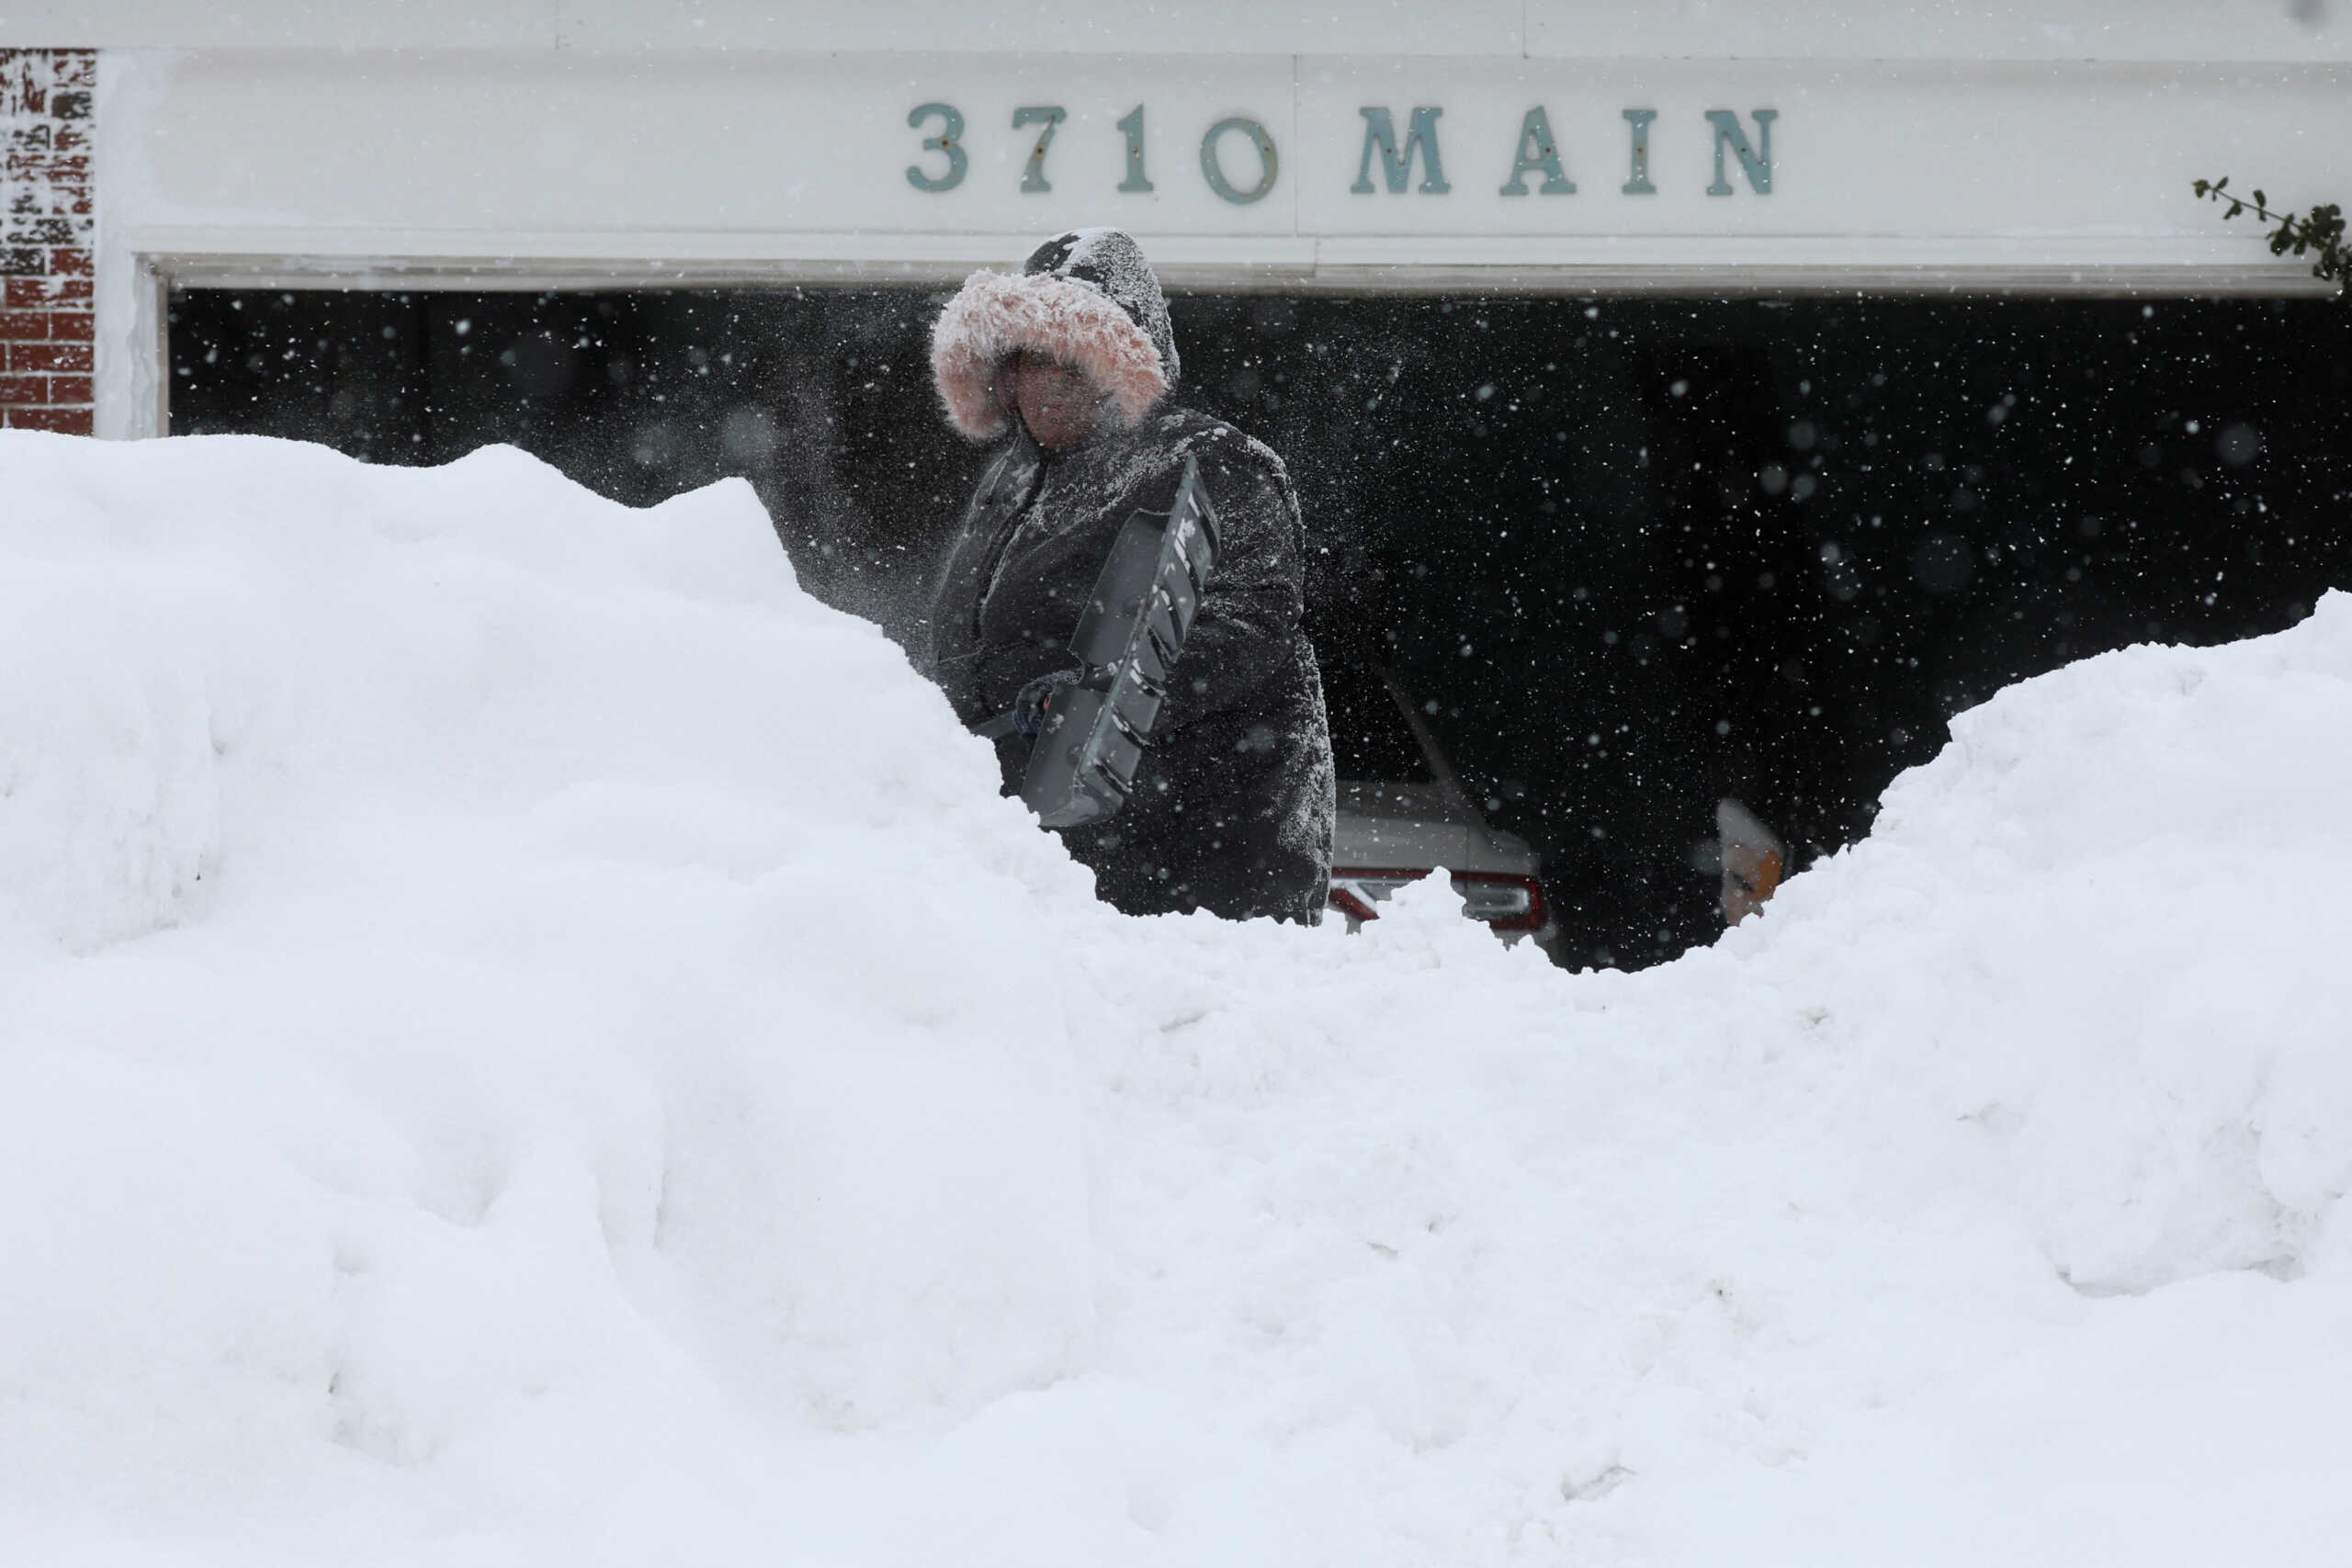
(2223, 265)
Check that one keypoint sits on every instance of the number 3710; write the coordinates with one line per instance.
(947, 143)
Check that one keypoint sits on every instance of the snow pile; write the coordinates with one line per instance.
(528, 1040)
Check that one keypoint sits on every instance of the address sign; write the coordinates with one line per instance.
(1241, 163)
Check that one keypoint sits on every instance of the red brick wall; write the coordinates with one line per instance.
(46, 233)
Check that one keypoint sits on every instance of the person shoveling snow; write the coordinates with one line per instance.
(1071, 365)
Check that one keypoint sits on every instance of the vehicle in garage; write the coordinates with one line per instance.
(1404, 813)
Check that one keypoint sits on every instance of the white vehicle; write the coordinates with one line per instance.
(1403, 813)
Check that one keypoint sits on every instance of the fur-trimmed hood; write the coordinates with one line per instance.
(1088, 297)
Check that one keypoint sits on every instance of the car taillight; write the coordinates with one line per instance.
(1354, 893)
(1505, 902)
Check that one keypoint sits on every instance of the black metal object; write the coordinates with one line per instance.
(1127, 642)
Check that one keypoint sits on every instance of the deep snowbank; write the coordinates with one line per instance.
(530, 1040)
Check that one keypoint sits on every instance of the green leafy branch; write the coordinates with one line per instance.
(2319, 231)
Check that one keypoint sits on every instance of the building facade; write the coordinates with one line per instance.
(1560, 145)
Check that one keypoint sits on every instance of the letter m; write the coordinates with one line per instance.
(1380, 134)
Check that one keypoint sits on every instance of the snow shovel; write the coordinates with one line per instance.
(1127, 641)
(1753, 861)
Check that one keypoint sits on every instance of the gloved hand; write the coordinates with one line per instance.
(1035, 702)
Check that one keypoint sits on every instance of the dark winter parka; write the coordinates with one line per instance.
(1233, 804)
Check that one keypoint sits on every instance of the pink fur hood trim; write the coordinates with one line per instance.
(996, 313)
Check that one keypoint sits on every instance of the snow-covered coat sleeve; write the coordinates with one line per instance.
(1248, 630)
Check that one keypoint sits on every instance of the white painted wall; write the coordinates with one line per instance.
(2188, 31)
(740, 164)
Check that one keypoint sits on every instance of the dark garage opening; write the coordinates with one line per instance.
(1630, 556)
